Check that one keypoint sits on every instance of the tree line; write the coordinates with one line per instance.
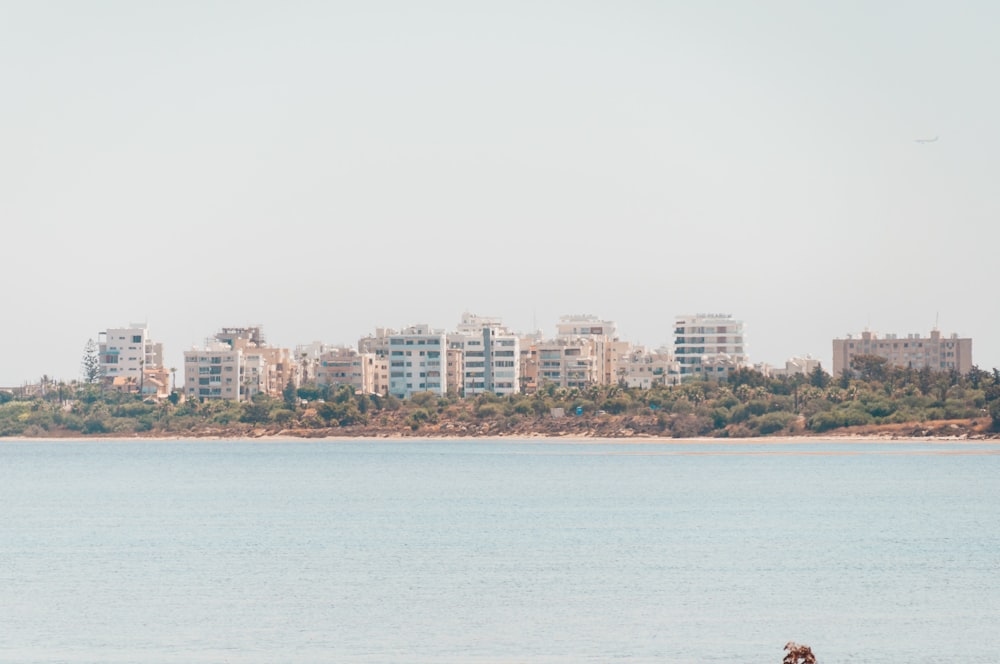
(747, 404)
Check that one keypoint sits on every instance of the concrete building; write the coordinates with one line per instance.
(267, 369)
(345, 366)
(378, 345)
(607, 351)
(417, 361)
(794, 366)
(214, 372)
(709, 345)
(585, 325)
(489, 356)
(128, 356)
(306, 359)
(643, 369)
(935, 352)
(565, 362)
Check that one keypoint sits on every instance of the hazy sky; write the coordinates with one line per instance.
(324, 168)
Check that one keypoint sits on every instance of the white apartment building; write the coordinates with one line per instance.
(418, 361)
(490, 356)
(127, 352)
(709, 345)
(214, 372)
(643, 369)
(794, 366)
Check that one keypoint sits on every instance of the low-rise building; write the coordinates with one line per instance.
(643, 369)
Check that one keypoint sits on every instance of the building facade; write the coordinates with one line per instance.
(214, 372)
(709, 345)
(935, 352)
(417, 361)
(345, 366)
(128, 356)
(489, 357)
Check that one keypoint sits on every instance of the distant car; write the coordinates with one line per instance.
(601, 412)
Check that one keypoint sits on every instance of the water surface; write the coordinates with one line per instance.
(486, 551)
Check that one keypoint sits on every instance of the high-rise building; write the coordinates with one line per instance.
(709, 345)
(490, 356)
(417, 361)
(128, 354)
(214, 372)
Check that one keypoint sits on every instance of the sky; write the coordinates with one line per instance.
(326, 168)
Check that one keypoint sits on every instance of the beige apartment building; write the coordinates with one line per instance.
(935, 352)
(563, 362)
(346, 366)
(236, 364)
(214, 372)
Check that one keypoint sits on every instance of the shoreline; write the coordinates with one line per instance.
(514, 438)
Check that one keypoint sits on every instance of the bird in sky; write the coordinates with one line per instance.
(927, 140)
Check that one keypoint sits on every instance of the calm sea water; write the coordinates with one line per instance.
(473, 551)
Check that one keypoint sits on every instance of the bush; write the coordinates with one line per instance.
(824, 421)
(771, 422)
(489, 410)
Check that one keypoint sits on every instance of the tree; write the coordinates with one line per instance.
(870, 367)
(288, 394)
(91, 364)
(818, 377)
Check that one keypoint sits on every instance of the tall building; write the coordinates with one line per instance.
(127, 355)
(489, 356)
(607, 352)
(214, 372)
(564, 362)
(934, 352)
(267, 369)
(709, 345)
(417, 361)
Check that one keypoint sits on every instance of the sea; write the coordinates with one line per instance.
(487, 551)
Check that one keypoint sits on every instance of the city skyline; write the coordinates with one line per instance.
(174, 357)
(324, 170)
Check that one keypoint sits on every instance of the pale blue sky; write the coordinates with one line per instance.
(364, 164)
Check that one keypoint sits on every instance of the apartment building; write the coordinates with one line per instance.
(339, 366)
(794, 366)
(214, 372)
(608, 352)
(643, 369)
(564, 362)
(935, 352)
(417, 361)
(489, 356)
(128, 356)
(378, 345)
(709, 345)
(267, 369)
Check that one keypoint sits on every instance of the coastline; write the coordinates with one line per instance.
(513, 438)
